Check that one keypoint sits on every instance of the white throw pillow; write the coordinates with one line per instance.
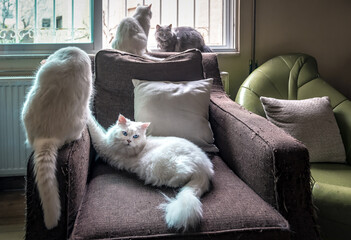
(176, 109)
(311, 121)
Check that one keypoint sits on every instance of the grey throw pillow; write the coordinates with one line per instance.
(178, 108)
(311, 121)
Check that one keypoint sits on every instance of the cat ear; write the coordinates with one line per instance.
(122, 120)
(158, 27)
(149, 7)
(170, 26)
(145, 125)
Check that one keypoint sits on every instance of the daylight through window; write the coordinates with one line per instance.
(46, 25)
(45, 21)
(214, 19)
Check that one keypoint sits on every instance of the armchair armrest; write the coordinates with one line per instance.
(72, 164)
(271, 162)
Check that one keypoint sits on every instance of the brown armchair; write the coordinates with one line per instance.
(261, 188)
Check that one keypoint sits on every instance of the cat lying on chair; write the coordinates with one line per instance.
(159, 161)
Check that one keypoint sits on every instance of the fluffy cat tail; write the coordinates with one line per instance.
(45, 153)
(185, 210)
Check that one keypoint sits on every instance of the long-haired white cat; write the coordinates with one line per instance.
(55, 112)
(169, 161)
(132, 32)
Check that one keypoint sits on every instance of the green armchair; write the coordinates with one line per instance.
(296, 77)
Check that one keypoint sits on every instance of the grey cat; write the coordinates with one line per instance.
(179, 39)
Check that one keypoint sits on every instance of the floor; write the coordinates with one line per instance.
(12, 214)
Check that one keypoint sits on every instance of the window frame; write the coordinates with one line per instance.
(48, 48)
(230, 18)
(231, 30)
(230, 26)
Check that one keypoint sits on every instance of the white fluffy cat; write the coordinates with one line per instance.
(169, 161)
(132, 32)
(55, 112)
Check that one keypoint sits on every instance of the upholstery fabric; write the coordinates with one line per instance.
(295, 77)
(325, 193)
(332, 193)
(267, 166)
(73, 162)
(267, 147)
(177, 109)
(312, 122)
(125, 207)
(115, 71)
(333, 174)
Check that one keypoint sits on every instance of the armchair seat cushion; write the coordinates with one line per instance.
(118, 205)
(332, 191)
(338, 174)
(332, 195)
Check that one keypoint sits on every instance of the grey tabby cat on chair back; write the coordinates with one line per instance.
(179, 39)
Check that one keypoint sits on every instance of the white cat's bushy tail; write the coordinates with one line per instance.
(120, 32)
(130, 37)
(45, 153)
(185, 210)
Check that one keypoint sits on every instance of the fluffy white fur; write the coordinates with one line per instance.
(55, 112)
(169, 161)
(132, 32)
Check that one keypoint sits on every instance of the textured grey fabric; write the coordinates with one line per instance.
(125, 207)
(270, 161)
(115, 71)
(312, 122)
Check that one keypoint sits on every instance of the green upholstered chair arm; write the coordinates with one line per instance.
(295, 76)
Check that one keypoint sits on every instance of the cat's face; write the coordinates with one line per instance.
(163, 33)
(130, 135)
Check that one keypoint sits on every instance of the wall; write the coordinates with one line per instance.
(238, 64)
(321, 28)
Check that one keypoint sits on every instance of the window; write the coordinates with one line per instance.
(42, 26)
(214, 19)
(46, 25)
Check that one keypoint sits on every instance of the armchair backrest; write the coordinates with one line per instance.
(114, 71)
(295, 77)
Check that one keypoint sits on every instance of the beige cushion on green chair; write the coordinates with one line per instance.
(310, 121)
(296, 77)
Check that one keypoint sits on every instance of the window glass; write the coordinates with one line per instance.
(45, 21)
(214, 19)
(42, 26)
